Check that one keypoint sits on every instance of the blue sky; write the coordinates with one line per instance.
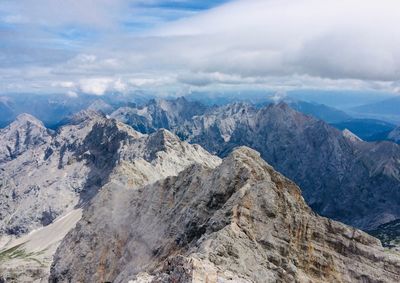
(98, 46)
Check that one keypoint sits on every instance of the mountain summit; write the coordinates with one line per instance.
(238, 222)
(341, 177)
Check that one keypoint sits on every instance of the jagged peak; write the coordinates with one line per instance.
(249, 159)
(238, 104)
(163, 135)
(84, 115)
(28, 118)
(26, 121)
(350, 135)
(233, 108)
(100, 105)
(181, 98)
(244, 151)
(282, 105)
(128, 129)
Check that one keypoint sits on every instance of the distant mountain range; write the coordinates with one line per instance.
(52, 109)
(388, 110)
(367, 129)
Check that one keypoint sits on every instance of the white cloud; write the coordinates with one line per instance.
(64, 84)
(356, 39)
(95, 86)
(72, 94)
(278, 44)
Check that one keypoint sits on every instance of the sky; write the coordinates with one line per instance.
(179, 46)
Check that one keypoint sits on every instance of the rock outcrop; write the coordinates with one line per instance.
(238, 222)
(351, 136)
(53, 177)
(159, 113)
(25, 133)
(342, 178)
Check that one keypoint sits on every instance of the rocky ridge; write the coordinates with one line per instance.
(351, 136)
(351, 181)
(159, 113)
(48, 183)
(238, 222)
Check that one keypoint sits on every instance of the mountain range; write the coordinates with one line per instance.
(388, 109)
(52, 109)
(48, 181)
(239, 221)
(355, 182)
(132, 197)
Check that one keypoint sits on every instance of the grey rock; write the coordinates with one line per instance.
(159, 113)
(238, 222)
(49, 182)
(354, 182)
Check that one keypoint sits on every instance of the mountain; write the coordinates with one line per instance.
(394, 135)
(353, 182)
(256, 97)
(37, 160)
(340, 99)
(46, 183)
(389, 234)
(51, 109)
(48, 108)
(351, 136)
(367, 129)
(100, 105)
(239, 221)
(100, 202)
(159, 113)
(388, 109)
(25, 133)
(319, 111)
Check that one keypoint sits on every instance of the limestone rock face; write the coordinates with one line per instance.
(159, 113)
(25, 133)
(43, 179)
(45, 187)
(341, 177)
(239, 221)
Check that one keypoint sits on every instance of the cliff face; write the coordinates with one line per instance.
(240, 221)
(24, 134)
(44, 188)
(342, 178)
(43, 177)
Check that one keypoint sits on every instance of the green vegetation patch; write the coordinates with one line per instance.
(18, 252)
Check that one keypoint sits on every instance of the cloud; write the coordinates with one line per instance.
(278, 44)
(95, 13)
(96, 86)
(72, 94)
(333, 39)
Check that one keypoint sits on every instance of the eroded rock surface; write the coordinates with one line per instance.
(238, 222)
(343, 178)
(58, 174)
